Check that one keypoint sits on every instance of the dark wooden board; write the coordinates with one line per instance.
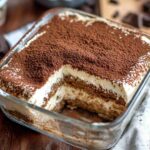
(16, 137)
(19, 13)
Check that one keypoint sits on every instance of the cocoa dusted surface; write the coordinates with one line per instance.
(96, 49)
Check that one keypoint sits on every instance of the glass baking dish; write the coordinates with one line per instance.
(96, 135)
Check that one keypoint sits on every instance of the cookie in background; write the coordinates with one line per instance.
(133, 12)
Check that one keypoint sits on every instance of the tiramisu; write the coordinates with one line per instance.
(85, 62)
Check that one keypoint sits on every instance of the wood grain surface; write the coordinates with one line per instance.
(16, 137)
(21, 12)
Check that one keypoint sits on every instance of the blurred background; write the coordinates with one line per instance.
(21, 12)
(16, 13)
(17, 16)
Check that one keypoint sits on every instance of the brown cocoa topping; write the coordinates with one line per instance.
(97, 49)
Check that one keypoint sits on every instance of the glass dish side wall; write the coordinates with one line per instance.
(79, 133)
(64, 128)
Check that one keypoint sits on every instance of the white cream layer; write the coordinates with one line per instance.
(126, 91)
(70, 93)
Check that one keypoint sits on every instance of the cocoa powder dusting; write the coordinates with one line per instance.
(97, 49)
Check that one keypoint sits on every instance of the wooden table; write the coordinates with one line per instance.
(12, 135)
(21, 12)
(16, 137)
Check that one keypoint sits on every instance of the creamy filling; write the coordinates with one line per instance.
(124, 91)
(96, 104)
(40, 94)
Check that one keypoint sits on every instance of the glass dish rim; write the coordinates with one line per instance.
(55, 115)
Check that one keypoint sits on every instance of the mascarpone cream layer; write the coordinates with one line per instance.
(70, 93)
(121, 90)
